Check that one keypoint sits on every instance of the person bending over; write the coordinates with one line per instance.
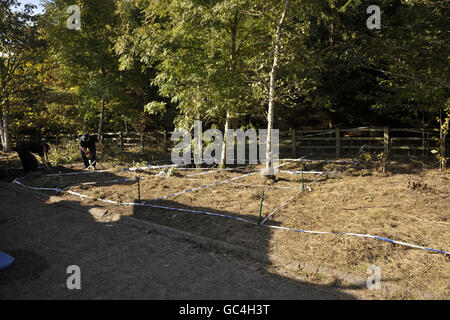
(25, 151)
(88, 150)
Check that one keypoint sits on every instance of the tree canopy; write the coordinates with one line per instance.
(150, 64)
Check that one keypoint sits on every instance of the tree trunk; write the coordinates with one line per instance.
(272, 94)
(4, 122)
(102, 111)
(2, 136)
(100, 125)
(232, 74)
(6, 137)
(224, 144)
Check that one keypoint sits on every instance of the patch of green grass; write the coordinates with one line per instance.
(64, 154)
(69, 153)
(320, 276)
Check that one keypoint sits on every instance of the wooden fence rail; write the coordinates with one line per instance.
(348, 142)
(336, 142)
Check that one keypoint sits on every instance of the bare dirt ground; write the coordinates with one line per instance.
(409, 204)
(119, 261)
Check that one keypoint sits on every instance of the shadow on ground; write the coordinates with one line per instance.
(122, 261)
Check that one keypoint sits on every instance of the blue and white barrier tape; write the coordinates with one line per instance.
(205, 186)
(215, 183)
(179, 167)
(79, 194)
(321, 161)
(305, 172)
(359, 235)
(109, 181)
(211, 171)
(88, 197)
(203, 173)
(58, 190)
(290, 199)
(74, 173)
(204, 169)
(16, 181)
(279, 207)
(145, 204)
(153, 167)
(258, 186)
(265, 225)
(242, 219)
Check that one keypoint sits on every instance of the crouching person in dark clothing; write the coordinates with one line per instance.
(88, 150)
(29, 162)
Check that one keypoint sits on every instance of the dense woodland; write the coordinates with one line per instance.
(140, 65)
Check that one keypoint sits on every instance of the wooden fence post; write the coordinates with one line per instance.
(294, 144)
(386, 140)
(141, 135)
(338, 142)
(423, 142)
(121, 141)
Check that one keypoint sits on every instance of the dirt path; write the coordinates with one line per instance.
(119, 261)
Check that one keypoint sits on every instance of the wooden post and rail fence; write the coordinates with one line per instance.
(339, 142)
(330, 143)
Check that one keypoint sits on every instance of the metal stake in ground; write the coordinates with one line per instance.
(260, 208)
(139, 188)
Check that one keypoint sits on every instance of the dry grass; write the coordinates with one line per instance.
(408, 207)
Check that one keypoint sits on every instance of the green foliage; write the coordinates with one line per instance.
(160, 64)
(67, 153)
(20, 47)
(198, 49)
(155, 107)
